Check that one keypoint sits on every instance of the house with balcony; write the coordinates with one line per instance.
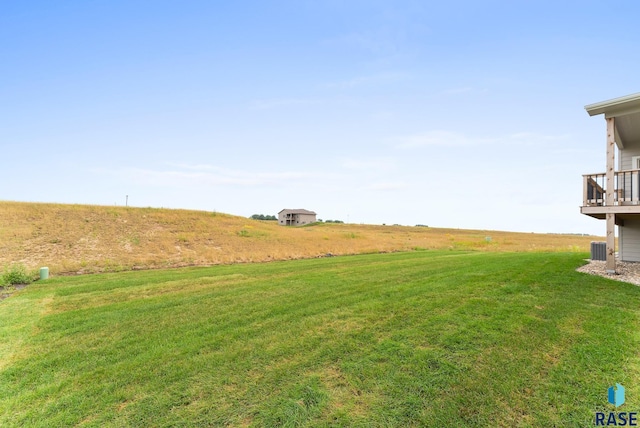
(614, 195)
(297, 217)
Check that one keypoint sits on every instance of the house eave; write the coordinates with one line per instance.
(297, 211)
(621, 106)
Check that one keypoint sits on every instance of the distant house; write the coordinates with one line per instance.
(613, 195)
(297, 217)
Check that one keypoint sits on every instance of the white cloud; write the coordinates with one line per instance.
(460, 90)
(195, 167)
(464, 90)
(387, 186)
(375, 164)
(532, 136)
(377, 42)
(456, 139)
(440, 138)
(369, 80)
(266, 104)
(184, 175)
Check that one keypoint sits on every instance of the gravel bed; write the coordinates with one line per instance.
(625, 271)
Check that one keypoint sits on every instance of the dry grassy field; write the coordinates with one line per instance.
(73, 239)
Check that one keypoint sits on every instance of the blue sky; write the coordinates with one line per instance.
(459, 114)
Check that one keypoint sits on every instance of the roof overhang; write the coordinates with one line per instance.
(296, 211)
(622, 106)
(626, 110)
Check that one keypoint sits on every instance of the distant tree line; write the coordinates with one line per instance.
(331, 221)
(263, 217)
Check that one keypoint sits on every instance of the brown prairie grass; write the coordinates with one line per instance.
(88, 239)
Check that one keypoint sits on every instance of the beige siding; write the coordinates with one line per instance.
(629, 234)
(288, 218)
(306, 218)
(625, 155)
(629, 240)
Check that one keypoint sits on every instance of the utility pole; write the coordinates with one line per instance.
(126, 202)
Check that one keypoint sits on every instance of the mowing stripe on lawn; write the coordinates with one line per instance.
(435, 338)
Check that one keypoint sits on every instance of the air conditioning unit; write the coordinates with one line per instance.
(598, 251)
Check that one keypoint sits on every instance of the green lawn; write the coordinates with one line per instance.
(408, 339)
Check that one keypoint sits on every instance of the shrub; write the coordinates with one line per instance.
(263, 217)
(16, 274)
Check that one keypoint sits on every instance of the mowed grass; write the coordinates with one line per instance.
(426, 338)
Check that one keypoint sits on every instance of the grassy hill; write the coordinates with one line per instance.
(88, 239)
